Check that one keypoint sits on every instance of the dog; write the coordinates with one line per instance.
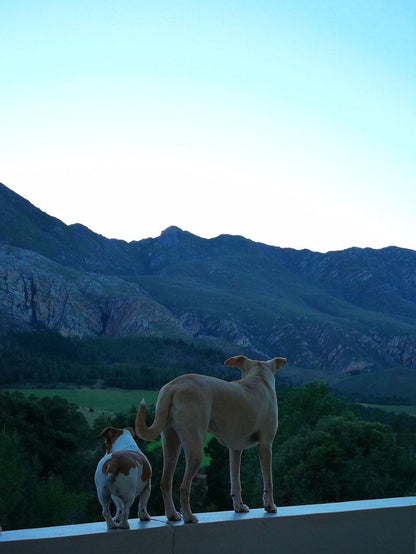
(240, 414)
(121, 475)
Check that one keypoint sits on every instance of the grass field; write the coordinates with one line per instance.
(409, 410)
(99, 400)
(109, 400)
(394, 386)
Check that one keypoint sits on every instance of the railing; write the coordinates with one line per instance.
(364, 527)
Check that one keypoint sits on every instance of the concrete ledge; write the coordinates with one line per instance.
(376, 526)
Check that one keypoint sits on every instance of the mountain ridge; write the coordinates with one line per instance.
(343, 311)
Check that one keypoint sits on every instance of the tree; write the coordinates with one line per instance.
(342, 459)
(16, 476)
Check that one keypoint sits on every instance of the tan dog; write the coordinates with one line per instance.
(239, 414)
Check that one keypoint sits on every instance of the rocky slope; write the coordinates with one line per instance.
(344, 311)
(36, 293)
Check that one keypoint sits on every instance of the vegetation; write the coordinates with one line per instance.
(325, 450)
(40, 358)
(394, 386)
(96, 401)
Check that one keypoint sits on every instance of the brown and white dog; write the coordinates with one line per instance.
(239, 414)
(121, 475)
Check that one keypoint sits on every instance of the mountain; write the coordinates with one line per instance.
(342, 313)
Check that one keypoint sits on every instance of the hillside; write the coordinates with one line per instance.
(342, 312)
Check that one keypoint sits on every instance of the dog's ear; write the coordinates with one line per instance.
(110, 435)
(104, 432)
(133, 433)
(236, 361)
(275, 363)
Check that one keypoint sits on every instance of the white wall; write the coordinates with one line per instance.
(365, 527)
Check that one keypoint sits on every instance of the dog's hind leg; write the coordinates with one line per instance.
(265, 455)
(193, 457)
(171, 449)
(104, 499)
(235, 463)
(143, 499)
(119, 507)
(124, 516)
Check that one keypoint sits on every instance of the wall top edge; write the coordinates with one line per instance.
(208, 518)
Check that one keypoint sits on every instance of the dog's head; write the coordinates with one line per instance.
(111, 434)
(250, 366)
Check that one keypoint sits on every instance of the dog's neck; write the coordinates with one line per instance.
(263, 375)
(124, 442)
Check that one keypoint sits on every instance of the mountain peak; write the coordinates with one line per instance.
(172, 230)
(172, 236)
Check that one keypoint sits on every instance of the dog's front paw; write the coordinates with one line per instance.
(174, 516)
(270, 509)
(268, 502)
(190, 519)
(144, 516)
(241, 509)
(188, 516)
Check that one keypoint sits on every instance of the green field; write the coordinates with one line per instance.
(98, 400)
(394, 386)
(409, 410)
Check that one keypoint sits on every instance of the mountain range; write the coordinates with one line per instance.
(344, 315)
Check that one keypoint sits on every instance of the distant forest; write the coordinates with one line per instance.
(325, 450)
(41, 358)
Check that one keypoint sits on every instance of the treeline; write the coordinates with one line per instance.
(325, 450)
(124, 362)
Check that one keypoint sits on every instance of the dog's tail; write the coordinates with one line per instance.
(161, 417)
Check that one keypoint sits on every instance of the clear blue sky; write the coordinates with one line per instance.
(289, 122)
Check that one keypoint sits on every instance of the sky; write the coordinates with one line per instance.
(290, 122)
